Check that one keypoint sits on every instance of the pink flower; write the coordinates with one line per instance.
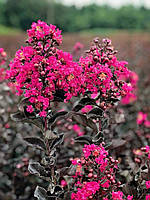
(106, 184)
(129, 197)
(147, 123)
(134, 77)
(30, 109)
(78, 46)
(148, 197)
(7, 125)
(147, 148)
(141, 118)
(129, 98)
(74, 162)
(147, 183)
(117, 195)
(137, 152)
(86, 191)
(63, 183)
(40, 30)
(43, 114)
(77, 129)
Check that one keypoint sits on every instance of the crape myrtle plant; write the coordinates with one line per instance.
(61, 96)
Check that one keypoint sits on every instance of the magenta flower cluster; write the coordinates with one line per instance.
(104, 75)
(40, 71)
(87, 191)
(95, 173)
(95, 176)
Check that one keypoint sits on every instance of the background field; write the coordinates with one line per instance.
(132, 46)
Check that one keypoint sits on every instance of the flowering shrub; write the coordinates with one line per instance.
(61, 96)
(41, 71)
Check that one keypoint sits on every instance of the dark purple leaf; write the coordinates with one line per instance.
(37, 169)
(34, 141)
(40, 193)
(84, 139)
(57, 141)
(95, 113)
(18, 117)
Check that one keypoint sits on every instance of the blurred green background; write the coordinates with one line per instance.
(19, 14)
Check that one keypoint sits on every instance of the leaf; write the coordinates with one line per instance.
(87, 101)
(84, 139)
(104, 123)
(116, 143)
(21, 117)
(114, 100)
(103, 181)
(58, 190)
(98, 135)
(37, 122)
(23, 103)
(128, 189)
(59, 95)
(55, 116)
(35, 168)
(50, 135)
(57, 141)
(18, 117)
(40, 193)
(71, 171)
(97, 139)
(95, 113)
(82, 119)
(63, 171)
(92, 125)
(78, 107)
(48, 160)
(83, 102)
(108, 145)
(35, 141)
(51, 188)
(22, 108)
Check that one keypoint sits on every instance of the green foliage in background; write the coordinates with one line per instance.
(21, 13)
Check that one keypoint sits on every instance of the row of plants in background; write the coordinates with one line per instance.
(80, 152)
(72, 18)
